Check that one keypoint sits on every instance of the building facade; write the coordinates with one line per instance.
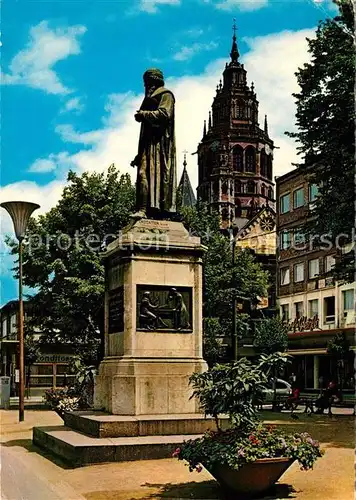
(51, 368)
(313, 305)
(235, 155)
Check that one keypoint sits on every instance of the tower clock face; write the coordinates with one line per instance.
(267, 224)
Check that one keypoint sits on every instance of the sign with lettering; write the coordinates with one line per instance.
(54, 358)
(115, 277)
(116, 310)
(303, 324)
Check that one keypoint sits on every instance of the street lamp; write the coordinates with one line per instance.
(20, 212)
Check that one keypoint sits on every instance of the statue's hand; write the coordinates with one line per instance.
(139, 116)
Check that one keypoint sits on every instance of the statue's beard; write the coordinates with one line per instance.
(149, 90)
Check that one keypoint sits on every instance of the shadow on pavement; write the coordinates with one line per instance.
(209, 490)
(28, 445)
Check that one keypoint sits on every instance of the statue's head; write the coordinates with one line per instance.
(153, 77)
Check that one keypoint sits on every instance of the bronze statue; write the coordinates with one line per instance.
(156, 158)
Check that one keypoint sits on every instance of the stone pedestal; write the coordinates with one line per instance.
(148, 360)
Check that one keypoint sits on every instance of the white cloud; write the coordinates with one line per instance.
(33, 66)
(74, 105)
(243, 5)
(187, 52)
(270, 62)
(151, 6)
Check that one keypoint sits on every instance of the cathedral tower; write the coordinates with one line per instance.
(235, 155)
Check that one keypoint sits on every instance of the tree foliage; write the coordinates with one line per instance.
(325, 121)
(223, 280)
(62, 256)
(271, 335)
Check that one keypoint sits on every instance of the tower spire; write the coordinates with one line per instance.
(209, 120)
(204, 129)
(185, 159)
(234, 54)
(266, 125)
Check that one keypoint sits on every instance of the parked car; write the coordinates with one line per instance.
(283, 388)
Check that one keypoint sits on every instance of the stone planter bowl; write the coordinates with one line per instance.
(252, 478)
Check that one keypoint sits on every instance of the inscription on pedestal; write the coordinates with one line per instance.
(116, 310)
(164, 308)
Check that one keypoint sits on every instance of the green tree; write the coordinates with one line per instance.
(223, 280)
(339, 349)
(62, 257)
(32, 353)
(326, 130)
(271, 340)
(271, 335)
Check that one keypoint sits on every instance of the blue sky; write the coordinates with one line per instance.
(72, 79)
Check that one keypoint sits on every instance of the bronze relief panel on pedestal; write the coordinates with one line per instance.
(164, 308)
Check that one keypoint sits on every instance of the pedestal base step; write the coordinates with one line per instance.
(102, 425)
(78, 449)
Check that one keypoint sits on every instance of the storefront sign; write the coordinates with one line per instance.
(54, 358)
(303, 324)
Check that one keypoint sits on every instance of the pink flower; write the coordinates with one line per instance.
(199, 468)
(176, 452)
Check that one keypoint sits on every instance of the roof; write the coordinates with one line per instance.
(186, 191)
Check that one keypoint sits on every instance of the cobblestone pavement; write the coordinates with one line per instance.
(331, 479)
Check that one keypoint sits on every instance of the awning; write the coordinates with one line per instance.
(301, 352)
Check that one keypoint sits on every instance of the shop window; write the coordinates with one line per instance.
(329, 310)
(348, 299)
(299, 272)
(285, 203)
(285, 276)
(313, 192)
(298, 198)
(285, 240)
(285, 312)
(313, 308)
(299, 237)
(299, 309)
(313, 267)
(329, 263)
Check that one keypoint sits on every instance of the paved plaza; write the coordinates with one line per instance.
(44, 477)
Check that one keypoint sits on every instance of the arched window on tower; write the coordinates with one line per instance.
(238, 187)
(269, 167)
(240, 109)
(251, 187)
(270, 193)
(250, 159)
(263, 163)
(225, 187)
(263, 190)
(238, 158)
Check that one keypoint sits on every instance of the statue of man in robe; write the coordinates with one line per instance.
(156, 158)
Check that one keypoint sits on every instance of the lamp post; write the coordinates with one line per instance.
(20, 212)
(233, 233)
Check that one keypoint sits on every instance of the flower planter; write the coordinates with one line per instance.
(252, 478)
